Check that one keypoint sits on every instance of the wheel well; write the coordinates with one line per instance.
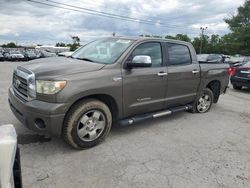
(106, 99)
(215, 88)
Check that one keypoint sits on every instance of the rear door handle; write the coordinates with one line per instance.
(162, 73)
(195, 71)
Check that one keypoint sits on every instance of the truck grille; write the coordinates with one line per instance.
(21, 85)
(21, 80)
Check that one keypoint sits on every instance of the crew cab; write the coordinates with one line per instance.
(113, 80)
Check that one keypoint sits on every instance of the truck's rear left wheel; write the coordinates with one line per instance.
(87, 124)
(204, 102)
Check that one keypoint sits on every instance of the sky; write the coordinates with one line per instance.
(26, 22)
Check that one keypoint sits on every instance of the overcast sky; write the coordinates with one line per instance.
(25, 22)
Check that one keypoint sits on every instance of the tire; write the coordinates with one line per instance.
(87, 124)
(196, 106)
(237, 87)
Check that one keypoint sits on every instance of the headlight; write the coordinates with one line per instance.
(49, 87)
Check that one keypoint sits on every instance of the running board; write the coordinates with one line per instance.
(144, 117)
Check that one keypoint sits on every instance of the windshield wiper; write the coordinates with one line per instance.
(84, 59)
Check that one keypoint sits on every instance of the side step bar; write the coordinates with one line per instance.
(144, 117)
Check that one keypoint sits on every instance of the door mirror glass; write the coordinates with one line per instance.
(140, 61)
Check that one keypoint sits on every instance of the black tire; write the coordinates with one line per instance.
(237, 87)
(195, 104)
(71, 123)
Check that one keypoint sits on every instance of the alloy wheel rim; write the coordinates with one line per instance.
(204, 103)
(91, 125)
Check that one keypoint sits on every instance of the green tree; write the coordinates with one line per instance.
(239, 24)
(76, 39)
(60, 44)
(9, 45)
(76, 43)
(170, 37)
(196, 43)
(183, 37)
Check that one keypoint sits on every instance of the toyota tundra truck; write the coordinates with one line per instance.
(120, 80)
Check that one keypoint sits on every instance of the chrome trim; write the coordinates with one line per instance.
(162, 73)
(195, 71)
(130, 121)
(21, 73)
(28, 77)
(244, 78)
(143, 99)
(142, 59)
(168, 112)
(118, 78)
(245, 72)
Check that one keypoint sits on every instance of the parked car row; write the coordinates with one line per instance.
(221, 58)
(211, 58)
(21, 54)
(239, 67)
(237, 61)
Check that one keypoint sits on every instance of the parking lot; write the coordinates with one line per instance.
(181, 150)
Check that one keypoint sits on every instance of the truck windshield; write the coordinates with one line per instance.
(104, 51)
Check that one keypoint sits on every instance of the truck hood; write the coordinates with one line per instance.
(57, 66)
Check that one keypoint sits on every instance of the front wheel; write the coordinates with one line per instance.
(204, 102)
(87, 124)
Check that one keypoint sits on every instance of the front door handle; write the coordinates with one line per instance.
(195, 71)
(162, 73)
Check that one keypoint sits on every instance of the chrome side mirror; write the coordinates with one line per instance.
(140, 61)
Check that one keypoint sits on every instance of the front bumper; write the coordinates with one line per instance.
(39, 116)
(240, 81)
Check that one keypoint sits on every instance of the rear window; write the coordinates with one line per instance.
(178, 54)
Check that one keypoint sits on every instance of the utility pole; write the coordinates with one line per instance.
(202, 34)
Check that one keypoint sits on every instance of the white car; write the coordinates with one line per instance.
(65, 54)
(10, 171)
(16, 55)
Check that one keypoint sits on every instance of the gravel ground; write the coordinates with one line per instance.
(181, 150)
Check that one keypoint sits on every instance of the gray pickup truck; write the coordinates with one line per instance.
(113, 80)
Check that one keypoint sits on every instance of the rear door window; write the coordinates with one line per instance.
(178, 54)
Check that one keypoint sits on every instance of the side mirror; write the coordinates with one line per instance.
(140, 61)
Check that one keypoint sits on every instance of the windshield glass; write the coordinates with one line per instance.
(105, 51)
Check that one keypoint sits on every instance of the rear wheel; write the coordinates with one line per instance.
(204, 102)
(87, 124)
(237, 87)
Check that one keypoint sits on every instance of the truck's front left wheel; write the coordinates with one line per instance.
(87, 124)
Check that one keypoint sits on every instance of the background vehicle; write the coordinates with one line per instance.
(65, 54)
(237, 61)
(123, 80)
(16, 56)
(210, 58)
(6, 56)
(240, 76)
(44, 54)
(1, 57)
(29, 55)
